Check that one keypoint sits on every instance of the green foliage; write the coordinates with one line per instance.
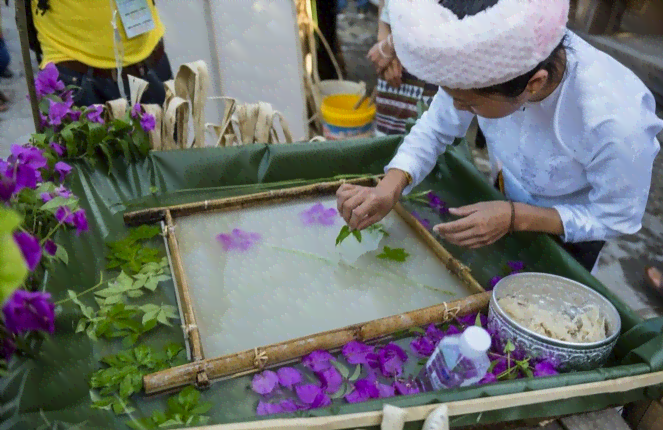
(184, 409)
(379, 228)
(131, 254)
(13, 270)
(346, 232)
(124, 373)
(394, 254)
(419, 197)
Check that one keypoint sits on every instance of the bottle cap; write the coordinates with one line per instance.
(474, 342)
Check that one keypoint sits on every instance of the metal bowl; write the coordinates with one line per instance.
(554, 293)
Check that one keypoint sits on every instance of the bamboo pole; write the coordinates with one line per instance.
(190, 327)
(22, 25)
(148, 216)
(259, 358)
(455, 266)
(458, 408)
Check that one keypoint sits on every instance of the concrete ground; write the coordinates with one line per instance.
(621, 265)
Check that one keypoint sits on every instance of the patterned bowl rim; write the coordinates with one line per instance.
(550, 341)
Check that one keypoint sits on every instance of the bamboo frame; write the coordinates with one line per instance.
(200, 371)
(458, 408)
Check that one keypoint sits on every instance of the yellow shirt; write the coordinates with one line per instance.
(81, 30)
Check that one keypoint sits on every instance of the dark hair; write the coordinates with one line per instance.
(554, 64)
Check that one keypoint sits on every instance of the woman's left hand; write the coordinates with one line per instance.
(481, 224)
(381, 55)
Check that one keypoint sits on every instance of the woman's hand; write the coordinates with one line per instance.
(362, 207)
(481, 224)
(394, 73)
(381, 54)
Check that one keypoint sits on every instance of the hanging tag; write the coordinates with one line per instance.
(136, 17)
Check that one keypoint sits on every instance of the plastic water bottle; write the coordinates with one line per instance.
(458, 361)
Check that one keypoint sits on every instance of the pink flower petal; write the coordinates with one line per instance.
(308, 393)
(265, 382)
(357, 352)
(265, 408)
(318, 361)
(330, 379)
(289, 376)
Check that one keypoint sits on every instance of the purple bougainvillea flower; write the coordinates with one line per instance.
(312, 396)
(357, 352)
(26, 177)
(493, 281)
(238, 240)
(436, 203)
(452, 330)
(467, 320)
(136, 111)
(80, 222)
(289, 377)
(43, 119)
(317, 214)
(500, 366)
(47, 81)
(289, 405)
(63, 192)
(7, 187)
(50, 247)
(265, 382)
(64, 215)
(391, 359)
(386, 391)
(421, 220)
(28, 156)
(95, 113)
(405, 387)
(488, 379)
(27, 311)
(30, 248)
(364, 389)
(516, 266)
(7, 348)
(545, 368)
(148, 122)
(75, 115)
(266, 408)
(59, 149)
(318, 361)
(423, 346)
(57, 111)
(63, 169)
(434, 333)
(330, 379)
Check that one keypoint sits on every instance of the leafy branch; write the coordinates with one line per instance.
(124, 375)
(183, 409)
(394, 254)
(346, 232)
(130, 254)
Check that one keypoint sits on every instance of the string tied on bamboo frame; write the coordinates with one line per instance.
(260, 359)
(449, 314)
(188, 328)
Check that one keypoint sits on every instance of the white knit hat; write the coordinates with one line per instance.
(492, 47)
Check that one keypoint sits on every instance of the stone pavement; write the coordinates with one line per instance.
(16, 124)
(620, 267)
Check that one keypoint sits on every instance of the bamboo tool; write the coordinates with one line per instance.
(259, 358)
(365, 96)
(457, 408)
(201, 370)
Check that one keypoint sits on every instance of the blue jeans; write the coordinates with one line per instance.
(4, 56)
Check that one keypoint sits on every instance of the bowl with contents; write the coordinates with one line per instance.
(554, 318)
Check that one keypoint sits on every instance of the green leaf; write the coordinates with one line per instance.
(343, 234)
(144, 232)
(340, 393)
(378, 228)
(394, 254)
(477, 322)
(61, 254)
(509, 347)
(357, 235)
(126, 387)
(13, 270)
(153, 189)
(355, 374)
(134, 294)
(418, 330)
(202, 409)
(80, 327)
(342, 369)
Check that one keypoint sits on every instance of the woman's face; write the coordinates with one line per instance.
(498, 106)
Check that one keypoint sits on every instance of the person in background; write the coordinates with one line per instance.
(4, 69)
(327, 21)
(78, 37)
(654, 278)
(398, 92)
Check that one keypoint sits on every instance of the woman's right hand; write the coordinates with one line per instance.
(381, 54)
(394, 73)
(362, 207)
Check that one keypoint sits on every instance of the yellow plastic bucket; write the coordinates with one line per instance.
(341, 122)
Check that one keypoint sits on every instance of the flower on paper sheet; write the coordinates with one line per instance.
(27, 311)
(318, 361)
(405, 387)
(266, 408)
(265, 382)
(318, 214)
(357, 352)
(364, 389)
(390, 360)
(30, 248)
(95, 114)
(423, 346)
(289, 376)
(312, 396)
(47, 81)
(452, 330)
(434, 333)
(238, 239)
(421, 220)
(488, 379)
(330, 379)
(545, 368)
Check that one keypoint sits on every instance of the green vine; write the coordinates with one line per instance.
(131, 253)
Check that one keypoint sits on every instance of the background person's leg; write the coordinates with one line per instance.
(4, 59)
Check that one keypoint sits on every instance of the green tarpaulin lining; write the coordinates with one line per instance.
(57, 384)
